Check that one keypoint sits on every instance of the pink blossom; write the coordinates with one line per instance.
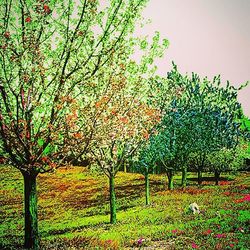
(194, 246)
(247, 197)
(207, 232)
(220, 236)
(140, 241)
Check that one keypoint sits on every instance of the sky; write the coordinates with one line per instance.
(208, 37)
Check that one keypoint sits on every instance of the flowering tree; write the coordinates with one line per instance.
(50, 53)
(159, 97)
(117, 116)
(123, 123)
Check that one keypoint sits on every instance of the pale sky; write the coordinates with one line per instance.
(209, 37)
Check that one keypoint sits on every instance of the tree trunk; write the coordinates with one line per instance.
(170, 175)
(112, 199)
(147, 188)
(199, 177)
(125, 167)
(30, 204)
(217, 177)
(184, 178)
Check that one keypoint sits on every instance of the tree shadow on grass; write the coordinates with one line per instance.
(130, 191)
(137, 190)
(11, 242)
(72, 229)
(208, 179)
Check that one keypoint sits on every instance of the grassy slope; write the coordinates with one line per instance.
(73, 212)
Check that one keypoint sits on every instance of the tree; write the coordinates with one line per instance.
(226, 160)
(227, 139)
(179, 122)
(50, 53)
(213, 115)
(118, 113)
(245, 129)
(159, 154)
(125, 121)
(146, 164)
(203, 140)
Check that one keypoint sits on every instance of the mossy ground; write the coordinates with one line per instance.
(74, 212)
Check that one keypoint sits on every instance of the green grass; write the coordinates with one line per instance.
(74, 212)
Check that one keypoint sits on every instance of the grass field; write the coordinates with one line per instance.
(74, 212)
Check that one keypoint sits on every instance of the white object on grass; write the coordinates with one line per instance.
(194, 208)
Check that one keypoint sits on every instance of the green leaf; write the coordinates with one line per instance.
(40, 142)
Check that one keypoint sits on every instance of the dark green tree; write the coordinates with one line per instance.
(226, 160)
(212, 112)
(146, 165)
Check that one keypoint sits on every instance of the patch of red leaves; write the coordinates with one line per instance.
(219, 236)
(245, 198)
(46, 9)
(28, 19)
(177, 232)
(223, 183)
(194, 246)
(207, 232)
